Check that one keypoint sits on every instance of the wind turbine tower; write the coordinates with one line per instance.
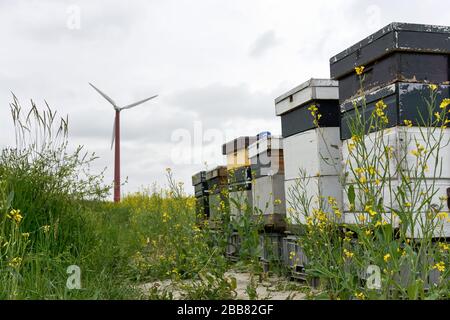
(116, 137)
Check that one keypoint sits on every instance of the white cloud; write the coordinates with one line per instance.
(195, 55)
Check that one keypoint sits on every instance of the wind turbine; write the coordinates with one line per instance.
(116, 137)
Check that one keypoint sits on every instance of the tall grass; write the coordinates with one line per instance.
(53, 214)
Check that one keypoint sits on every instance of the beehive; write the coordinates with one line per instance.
(266, 157)
(236, 152)
(400, 61)
(311, 144)
(403, 141)
(217, 181)
(201, 194)
(400, 52)
(239, 175)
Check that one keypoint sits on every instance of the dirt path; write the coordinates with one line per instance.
(271, 288)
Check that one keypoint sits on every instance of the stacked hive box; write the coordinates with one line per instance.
(266, 157)
(201, 194)
(267, 165)
(217, 183)
(309, 145)
(239, 175)
(313, 146)
(400, 62)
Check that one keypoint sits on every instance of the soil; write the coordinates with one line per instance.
(269, 288)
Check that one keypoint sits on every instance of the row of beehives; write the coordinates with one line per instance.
(401, 61)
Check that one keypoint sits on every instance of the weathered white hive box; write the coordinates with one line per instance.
(266, 157)
(435, 182)
(401, 61)
(312, 149)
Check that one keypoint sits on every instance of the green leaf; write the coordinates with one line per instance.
(10, 199)
(351, 195)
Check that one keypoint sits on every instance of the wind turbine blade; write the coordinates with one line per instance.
(137, 103)
(113, 134)
(104, 95)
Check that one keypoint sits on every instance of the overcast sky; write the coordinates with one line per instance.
(217, 66)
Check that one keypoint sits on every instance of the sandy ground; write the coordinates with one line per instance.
(271, 288)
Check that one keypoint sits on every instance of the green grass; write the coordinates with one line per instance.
(53, 214)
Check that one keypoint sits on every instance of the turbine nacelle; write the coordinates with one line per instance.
(117, 108)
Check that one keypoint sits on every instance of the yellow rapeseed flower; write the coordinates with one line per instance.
(445, 103)
(440, 266)
(442, 215)
(408, 123)
(313, 108)
(15, 215)
(359, 70)
(360, 296)
(351, 146)
(15, 262)
(348, 254)
(443, 246)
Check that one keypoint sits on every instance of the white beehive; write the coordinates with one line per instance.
(403, 142)
(266, 157)
(316, 190)
(316, 151)
(312, 149)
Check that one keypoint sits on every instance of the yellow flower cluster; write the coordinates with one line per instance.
(445, 103)
(15, 215)
(334, 206)
(419, 151)
(360, 296)
(15, 262)
(165, 217)
(408, 123)
(359, 70)
(440, 266)
(442, 215)
(380, 223)
(387, 257)
(348, 254)
(380, 106)
(314, 113)
(370, 211)
(443, 246)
